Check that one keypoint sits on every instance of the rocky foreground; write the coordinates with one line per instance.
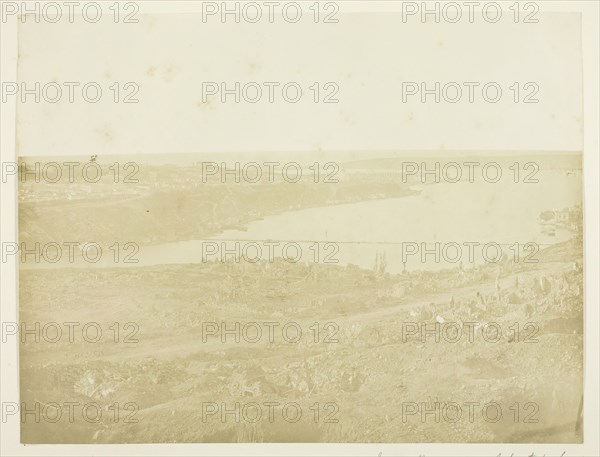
(490, 354)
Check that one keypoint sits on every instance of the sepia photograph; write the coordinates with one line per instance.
(326, 228)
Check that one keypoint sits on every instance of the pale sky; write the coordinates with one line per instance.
(368, 55)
